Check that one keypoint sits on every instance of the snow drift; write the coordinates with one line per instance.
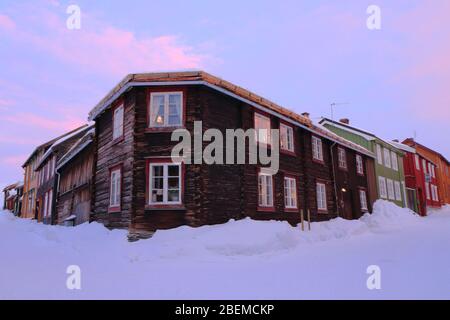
(239, 259)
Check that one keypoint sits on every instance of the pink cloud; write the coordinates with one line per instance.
(103, 48)
(6, 22)
(31, 119)
(16, 160)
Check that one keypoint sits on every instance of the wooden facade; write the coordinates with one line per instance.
(212, 194)
(47, 179)
(75, 170)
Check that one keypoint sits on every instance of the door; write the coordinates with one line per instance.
(347, 204)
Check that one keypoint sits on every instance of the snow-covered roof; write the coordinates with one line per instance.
(346, 142)
(402, 146)
(77, 147)
(366, 135)
(59, 141)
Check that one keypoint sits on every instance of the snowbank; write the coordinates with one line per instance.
(243, 259)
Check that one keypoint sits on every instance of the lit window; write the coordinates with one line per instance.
(342, 158)
(265, 189)
(262, 129)
(115, 188)
(118, 122)
(363, 199)
(290, 193)
(165, 183)
(317, 148)
(321, 192)
(286, 138)
(359, 165)
(166, 109)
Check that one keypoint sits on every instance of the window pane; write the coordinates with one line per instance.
(158, 171)
(173, 183)
(173, 171)
(157, 195)
(157, 183)
(158, 110)
(173, 196)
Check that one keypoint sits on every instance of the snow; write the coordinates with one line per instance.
(243, 259)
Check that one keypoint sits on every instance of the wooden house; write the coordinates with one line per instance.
(137, 186)
(9, 196)
(47, 181)
(75, 171)
(387, 174)
(421, 186)
(437, 172)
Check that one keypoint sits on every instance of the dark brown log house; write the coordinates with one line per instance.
(137, 187)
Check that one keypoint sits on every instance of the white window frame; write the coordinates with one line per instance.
(427, 190)
(115, 194)
(265, 189)
(263, 135)
(379, 155)
(317, 148)
(166, 124)
(394, 161)
(165, 177)
(118, 121)
(321, 194)
(49, 204)
(287, 145)
(342, 158)
(382, 187)
(424, 165)
(387, 157)
(398, 191)
(417, 160)
(390, 189)
(290, 193)
(359, 165)
(363, 199)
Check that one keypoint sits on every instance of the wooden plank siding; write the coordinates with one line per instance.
(213, 194)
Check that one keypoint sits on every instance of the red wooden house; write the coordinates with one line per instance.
(420, 179)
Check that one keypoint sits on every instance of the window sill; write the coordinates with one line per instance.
(322, 162)
(322, 211)
(114, 209)
(163, 129)
(165, 207)
(265, 209)
(288, 152)
(117, 140)
(291, 210)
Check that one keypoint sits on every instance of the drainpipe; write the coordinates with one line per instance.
(56, 195)
(334, 179)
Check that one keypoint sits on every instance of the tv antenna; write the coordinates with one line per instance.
(335, 104)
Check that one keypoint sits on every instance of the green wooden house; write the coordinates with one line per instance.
(389, 177)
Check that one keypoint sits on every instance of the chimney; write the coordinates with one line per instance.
(396, 140)
(305, 114)
(345, 120)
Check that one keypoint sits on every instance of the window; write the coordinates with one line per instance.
(424, 165)
(45, 205)
(317, 148)
(359, 165)
(433, 172)
(286, 138)
(166, 109)
(398, 191)
(387, 158)
(394, 161)
(118, 122)
(432, 193)
(321, 196)
(262, 128)
(115, 188)
(390, 189)
(290, 193)
(379, 155)
(436, 193)
(363, 199)
(417, 162)
(165, 183)
(49, 204)
(265, 189)
(382, 187)
(427, 190)
(342, 158)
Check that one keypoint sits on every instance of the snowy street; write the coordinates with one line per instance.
(239, 260)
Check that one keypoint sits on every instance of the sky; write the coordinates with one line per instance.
(303, 55)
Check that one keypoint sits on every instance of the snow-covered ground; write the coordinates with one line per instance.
(239, 260)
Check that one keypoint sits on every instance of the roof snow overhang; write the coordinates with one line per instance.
(225, 87)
